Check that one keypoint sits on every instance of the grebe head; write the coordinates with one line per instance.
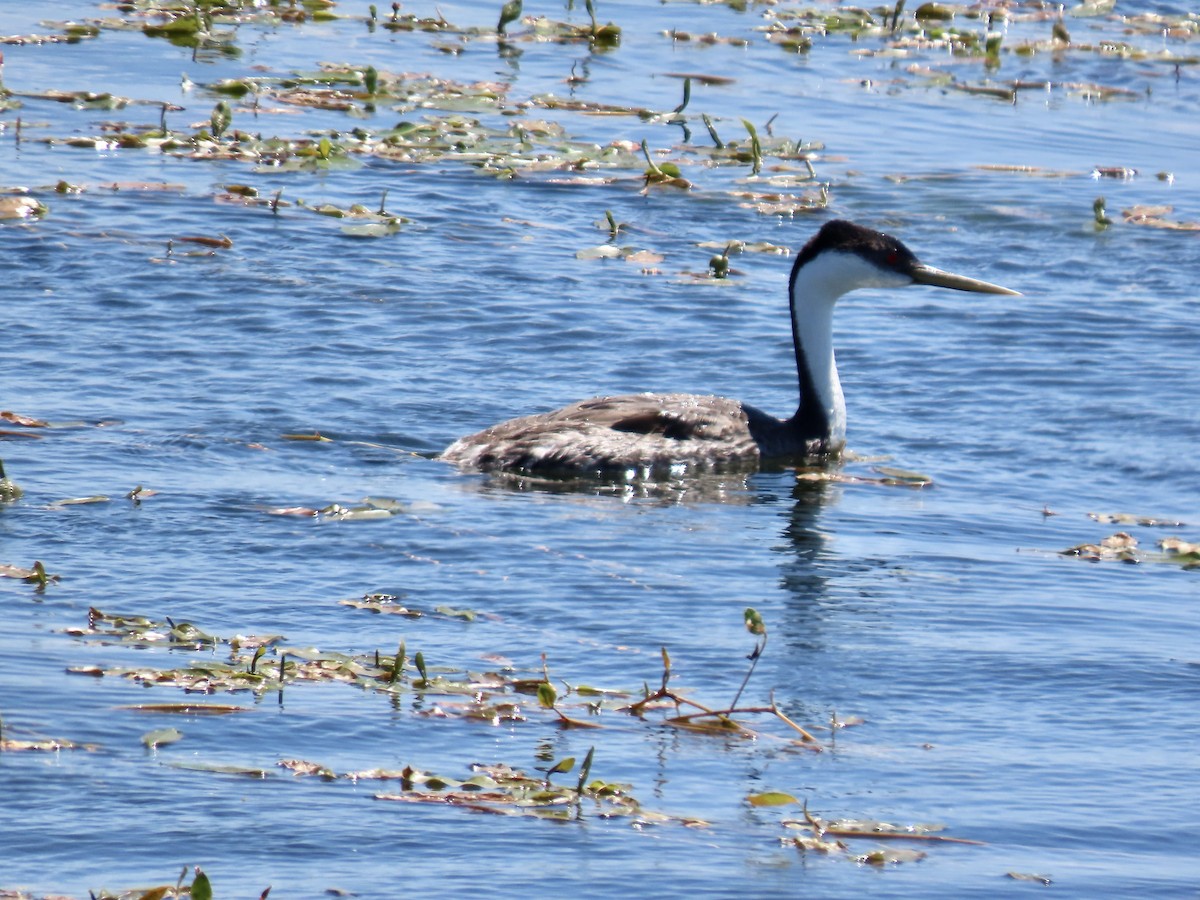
(843, 257)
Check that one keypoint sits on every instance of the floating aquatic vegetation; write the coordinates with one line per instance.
(666, 174)
(22, 208)
(737, 246)
(503, 790)
(1124, 547)
(43, 745)
(1156, 217)
(37, 574)
(390, 604)
(141, 631)
(80, 501)
(490, 788)
(160, 737)
(9, 489)
(831, 838)
(393, 604)
(68, 33)
(199, 889)
(1029, 876)
(634, 255)
(887, 476)
(362, 221)
(599, 37)
(1120, 546)
(187, 709)
(1185, 551)
(399, 21)
(1035, 171)
(81, 99)
(38, 745)
(490, 697)
(371, 509)
(1128, 519)
(773, 203)
(509, 12)
(893, 475)
(27, 421)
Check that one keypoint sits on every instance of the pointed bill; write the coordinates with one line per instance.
(923, 274)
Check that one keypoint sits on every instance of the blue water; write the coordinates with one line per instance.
(1039, 703)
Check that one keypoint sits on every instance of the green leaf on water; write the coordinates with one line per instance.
(771, 798)
(161, 736)
(467, 615)
(889, 856)
(563, 765)
(221, 118)
(180, 26)
(509, 12)
(893, 475)
(187, 633)
(585, 770)
(547, 695)
(201, 888)
(754, 622)
(928, 11)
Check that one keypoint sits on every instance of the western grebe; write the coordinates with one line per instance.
(657, 435)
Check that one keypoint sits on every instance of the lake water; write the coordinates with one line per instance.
(1041, 704)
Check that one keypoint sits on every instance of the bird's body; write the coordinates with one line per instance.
(670, 435)
(643, 434)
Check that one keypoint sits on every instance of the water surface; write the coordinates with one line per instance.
(1038, 703)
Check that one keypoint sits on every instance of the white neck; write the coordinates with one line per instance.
(814, 331)
(816, 288)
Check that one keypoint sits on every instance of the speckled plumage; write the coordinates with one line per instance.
(642, 434)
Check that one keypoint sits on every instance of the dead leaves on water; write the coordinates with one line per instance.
(499, 789)
(482, 125)
(393, 604)
(879, 474)
(261, 663)
(1123, 546)
(200, 888)
(839, 838)
(36, 574)
(495, 697)
(21, 208)
(43, 745)
(371, 509)
(475, 124)
(494, 789)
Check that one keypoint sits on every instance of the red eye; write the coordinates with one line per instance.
(893, 258)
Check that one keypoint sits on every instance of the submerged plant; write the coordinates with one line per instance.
(509, 12)
(9, 490)
(221, 118)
